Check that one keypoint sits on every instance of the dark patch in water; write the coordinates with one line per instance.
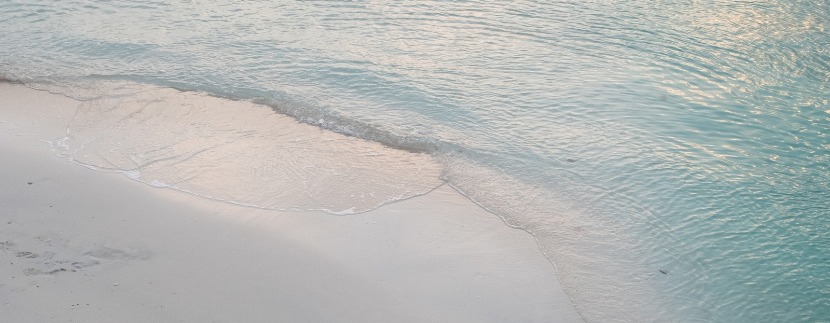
(4, 79)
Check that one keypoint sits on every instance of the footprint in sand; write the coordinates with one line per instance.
(25, 254)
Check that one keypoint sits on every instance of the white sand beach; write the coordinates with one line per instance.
(79, 245)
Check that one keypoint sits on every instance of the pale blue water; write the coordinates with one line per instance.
(633, 138)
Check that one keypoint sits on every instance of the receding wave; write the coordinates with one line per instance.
(238, 151)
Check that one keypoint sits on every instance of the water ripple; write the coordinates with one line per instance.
(632, 138)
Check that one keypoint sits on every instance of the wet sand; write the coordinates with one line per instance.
(87, 246)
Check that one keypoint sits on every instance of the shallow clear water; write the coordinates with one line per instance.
(670, 157)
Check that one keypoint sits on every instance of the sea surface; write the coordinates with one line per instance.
(670, 157)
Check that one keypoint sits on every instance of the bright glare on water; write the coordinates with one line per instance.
(671, 157)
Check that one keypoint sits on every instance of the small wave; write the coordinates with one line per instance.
(349, 127)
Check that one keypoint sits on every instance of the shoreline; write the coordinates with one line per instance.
(139, 253)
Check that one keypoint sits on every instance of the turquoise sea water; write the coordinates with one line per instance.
(671, 157)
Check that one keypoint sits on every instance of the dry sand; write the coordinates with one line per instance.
(78, 245)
